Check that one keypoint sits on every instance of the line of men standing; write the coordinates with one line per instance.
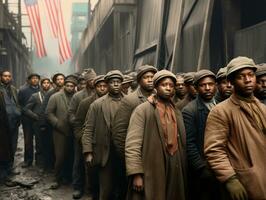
(187, 136)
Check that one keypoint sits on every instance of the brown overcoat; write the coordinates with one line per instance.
(80, 115)
(235, 145)
(146, 154)
(121, 120)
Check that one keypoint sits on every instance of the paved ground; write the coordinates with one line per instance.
(40, 181)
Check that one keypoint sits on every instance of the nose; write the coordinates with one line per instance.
(229, 84)
(207, 87)
(247, 78)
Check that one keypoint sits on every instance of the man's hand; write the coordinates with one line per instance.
(88, 158)
(138, 183)
(236, 189)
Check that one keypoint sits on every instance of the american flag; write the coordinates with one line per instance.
(56, 20)
(36, 27)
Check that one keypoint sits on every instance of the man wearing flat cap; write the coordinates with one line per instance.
(126, 84)
(155, 145)
(96, 139)
(24, 95)
(145, 75)
(34, 112)
(235, 136)
(260, 91)
(62, 136)
(80, 116)
(45, 127)
(190, 88)
(224, 87)
(202, 182)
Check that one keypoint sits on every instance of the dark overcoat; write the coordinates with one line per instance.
(121, 120)
(146, 154)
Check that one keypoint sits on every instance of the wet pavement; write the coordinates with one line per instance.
(32, 183)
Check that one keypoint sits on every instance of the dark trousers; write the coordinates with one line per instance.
(28, 140)
(46, 136)
(78, 175)
(63, 146)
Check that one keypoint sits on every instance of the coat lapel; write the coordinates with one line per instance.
(106, 114)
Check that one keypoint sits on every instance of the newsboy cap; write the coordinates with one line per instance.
(114, 74)
(89, 75)
(71, 79)
(221, 74)
(56, 75)
(163, 74)
(239, 63)
(143, 69)
(127, 79)
(261, 69)
(98, 79)
(202, 74)
(34, 74)
(189, 77)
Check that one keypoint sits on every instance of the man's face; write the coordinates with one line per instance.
(90, 84)
(206, 88)
(46, 85)
(34, 81)
(114, 86)
(69, 88)
(165, 88)
(101, 88)
(60, 80)
(261, 87)
(225, 88)
(6, 77)
(180, 88)
(81, 85)
(244, 82)
(125, 87)
(146, 81)
(191, 90)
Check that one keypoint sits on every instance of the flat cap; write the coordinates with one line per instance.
(143, 69)
(221, 74)
(114, 74)
(89, 75)
(239, 63)
(44, 79)
(202, 74)
(98, 79)
(163, 74)
(71, 79)
(261, 69)
(56, 75)
(128, 79)
(34, 74)
(189, 77)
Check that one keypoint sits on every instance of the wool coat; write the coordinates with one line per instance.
(5, 136)
(146, 154)
(74, 103)
(96, 136)
(57, 113)
(80, 115)
(195, 116)
(235, 145)
(121, 120)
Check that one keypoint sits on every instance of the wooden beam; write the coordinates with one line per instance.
(205, 33)
(180, 10)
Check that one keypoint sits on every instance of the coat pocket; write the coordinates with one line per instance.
(253, 181)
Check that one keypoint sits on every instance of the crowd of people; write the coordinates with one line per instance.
(147, 134)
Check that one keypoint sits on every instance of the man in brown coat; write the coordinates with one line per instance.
(260, 91)
(96, 140)
(100, 90)
(120, 124)
(57, 115)
(235, 142)
(155, 146)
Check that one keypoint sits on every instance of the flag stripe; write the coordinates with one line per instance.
(58, 28)
(35, 22)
